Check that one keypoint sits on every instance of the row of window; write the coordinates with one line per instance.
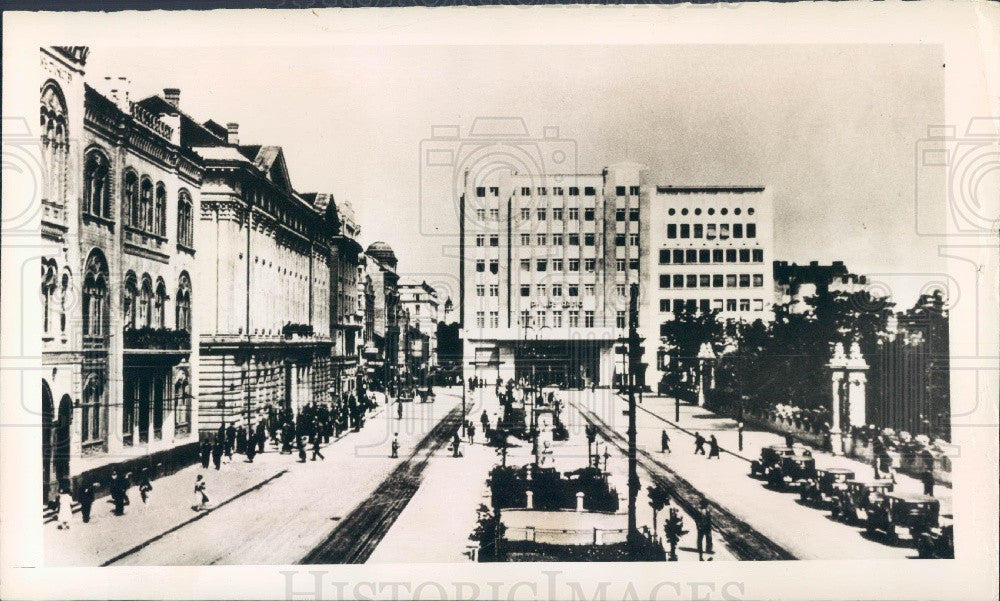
(142, 307)
(717, 280)
(711, 231)
(482, 191)
(711, 211)
(705, 305)
(545, 290)
(144, 203)
(561, 214)
(570, 265)
(691, 256)
(540, 319)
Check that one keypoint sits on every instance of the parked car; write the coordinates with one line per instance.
(917, 513)
(770, 458)
(826, 486)
(405, 394)
(936, 543)
(852, 502)
(794, 471)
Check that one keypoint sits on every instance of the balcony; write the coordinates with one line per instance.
(296, 330)
(157, 339)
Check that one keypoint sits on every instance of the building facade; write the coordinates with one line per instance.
(795, 284)
(421, 300)
(383, 355)
(120, 200)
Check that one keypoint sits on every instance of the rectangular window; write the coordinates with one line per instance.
(574, 239)
(495, 214)
(634, 190)
(758, 280)
(619, 214)
(703, 305)
(685, 230)
(703, 280)
(758, 255)
(557, 319)
(525, 290)
(751, 230)
(664, 256)
(664, 280)
(557, 214)
(557, 190)
(526, 264)
(541, 240)
(480, 266)
(758, 304)
(525, 239)
(698, 230)
(588, 214)
(691, 281)
(494, 319)
(494, 267)
(678, 305)
(678, 256)
(744, 280)
(541, 214)
(633, 264)
(731, 281)
(704, 256)
(678, 280)
(744, 255)
(664, 305)
(481, 319)
(557, 264)
(542, 191)
(633, 239)
(525, 191)
(671, 230)
(717, 256)
(574, 191)
(619, 264)
(574, 264)
(573, 290)
(730, 255)
(481, 192)
(730, 304)
(620, 320)
(574, 213)
(710, 231)
(494, 191)
(540, 319)
(494, 290)
(589, 264)
(588, 289)
(620, 289)
(633, 214)
(620, 191)
(619, 239)
(744, 304)
(480, 240)
(588, 239)
(574, 319)
(525, 213)
(737, 230)
(480, 290)
(556, 289)
(481, 214)
(690, 256)
(588, 319)
(557, 239)
(525, 318)
(717, 280)
(541, 264)
(724, 231)
(717, 304)
(589, 191)
(494, 240)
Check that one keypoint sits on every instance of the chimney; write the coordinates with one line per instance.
(118, 91)
(233, 133)
(172, 96)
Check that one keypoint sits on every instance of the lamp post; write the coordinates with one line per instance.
(634, 356)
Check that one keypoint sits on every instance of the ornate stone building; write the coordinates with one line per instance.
(381, 269)
(120, 198)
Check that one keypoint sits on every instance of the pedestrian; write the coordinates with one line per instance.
(739, 429)
(126, 484)
(395, 446)
(86, 498)
(301, 444)
(65, 508)
(217, 450)
(471, 430)
(200, 494)
(664, 442)
(485, 420)
(699, 444)
(316, 442)
(115, 491)
(927, 478)
(251, 448)
(261, 437)
(230, 440)
(455, 442)
(399, 409)
(205, 450)
(145, 486)
(713, 447)
(704, 530)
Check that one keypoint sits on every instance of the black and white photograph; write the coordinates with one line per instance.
(416, 304)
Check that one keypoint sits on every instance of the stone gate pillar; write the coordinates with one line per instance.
(837, 365)
(856, 378)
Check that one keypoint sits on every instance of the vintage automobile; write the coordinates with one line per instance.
(851, 503)
(826, 486)
(405, 394)
(426, 395)
(794, 471)
(770, 458)
(917, 513)
(936, 543)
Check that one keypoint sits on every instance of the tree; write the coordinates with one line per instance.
(659, 497)
(682, 338)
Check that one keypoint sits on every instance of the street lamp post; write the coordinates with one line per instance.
(633, 477)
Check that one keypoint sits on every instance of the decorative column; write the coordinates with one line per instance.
(705, 359)
(856, 378)
(837, 365)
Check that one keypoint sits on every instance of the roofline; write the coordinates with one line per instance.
(709, 189)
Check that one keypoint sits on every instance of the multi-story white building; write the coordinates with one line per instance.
(710, 249)
(546, 263)
(421, 300)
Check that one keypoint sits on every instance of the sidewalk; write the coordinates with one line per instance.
(106, 536)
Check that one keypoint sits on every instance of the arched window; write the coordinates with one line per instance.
(130, 199)
(64, 301)
(129, 299)
(145, 222)
(49, 280)
(185, 219)
(55, 143)
(91, 419)
(161, 210)
(96, 185)
(146, 302)
(184, 303)
(160, 304)
(95, 296)
(182, 406)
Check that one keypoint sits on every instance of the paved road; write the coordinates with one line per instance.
(285, 520)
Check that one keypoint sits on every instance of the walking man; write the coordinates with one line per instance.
(302, 449)
(471, 430)
(704, 530)
(217, 449)
(664, 442)
(455, 442)
(927, 479)
(316, 452)
(251, 447)
(739, 429)
(399, 410)
(713, 447)
(699, 444)
(145, 486)
(205, 450)
(86, 498)
(395, 446)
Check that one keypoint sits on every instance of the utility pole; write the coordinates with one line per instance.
(634, 357)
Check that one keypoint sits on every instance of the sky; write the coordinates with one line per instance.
(831, 129)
